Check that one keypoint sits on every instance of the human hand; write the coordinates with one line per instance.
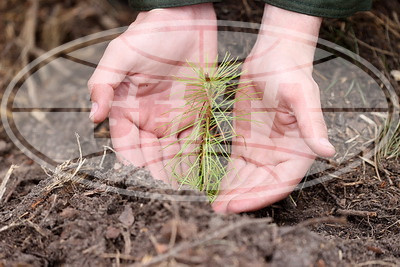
(276, 148)
(135, 85)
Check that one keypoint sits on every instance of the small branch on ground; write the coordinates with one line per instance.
(359, 213)
(5, 180)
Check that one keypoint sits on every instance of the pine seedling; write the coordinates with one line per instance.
(209, 98)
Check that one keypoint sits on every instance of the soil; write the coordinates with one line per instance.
(352, 220)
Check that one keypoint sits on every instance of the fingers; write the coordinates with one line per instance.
(308, 113)
(256, 193)
(126, 139)
(170, 148)
(263, 186)
(116, 62)
(134, 145)
(272, 184)
(153, 155)
(249, 194)
(245, 193)
(189, 149)
(101, 96)
(236, 173)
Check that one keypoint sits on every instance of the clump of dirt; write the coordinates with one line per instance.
(371, 205)
(77, 224)
(94, 222)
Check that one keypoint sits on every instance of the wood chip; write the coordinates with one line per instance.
(375, 249)
(359, 213)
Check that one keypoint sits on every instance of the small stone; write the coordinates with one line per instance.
(28, 162)
(126, 216)
(161, 248)
(4, 146)
(69, 213)
(320, 263)
(117, 166)
(185, 230)
(112, 232)
(396, 75)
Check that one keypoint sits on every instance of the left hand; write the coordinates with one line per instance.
(135, 85)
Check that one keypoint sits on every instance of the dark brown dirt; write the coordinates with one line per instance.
(79, 225)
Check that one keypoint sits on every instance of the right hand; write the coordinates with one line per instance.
(278, 141)
(135, 85)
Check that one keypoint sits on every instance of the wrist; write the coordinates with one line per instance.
(202, 11)
(288, 21)
(289, 35)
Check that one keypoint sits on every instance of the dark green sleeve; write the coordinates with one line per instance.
(142, 5)
(323, 8)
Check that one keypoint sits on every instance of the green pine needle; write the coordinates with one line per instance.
(206, 151)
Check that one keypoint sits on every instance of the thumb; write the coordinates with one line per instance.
(101, 96)
(308, 113)
(110, 72)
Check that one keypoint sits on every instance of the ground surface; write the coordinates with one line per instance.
(74, 224)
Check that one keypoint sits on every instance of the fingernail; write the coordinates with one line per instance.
(94, 109)
(325, 142)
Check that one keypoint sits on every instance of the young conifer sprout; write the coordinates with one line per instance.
(210, 98)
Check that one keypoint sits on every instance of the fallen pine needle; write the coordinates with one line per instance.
(5, 180)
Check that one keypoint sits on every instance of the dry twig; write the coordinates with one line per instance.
(359, 213)
(5, 180)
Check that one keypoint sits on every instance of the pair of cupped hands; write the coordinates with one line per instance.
(135, 86)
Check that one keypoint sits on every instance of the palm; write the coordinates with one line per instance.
(139, 127)
(269, 160)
